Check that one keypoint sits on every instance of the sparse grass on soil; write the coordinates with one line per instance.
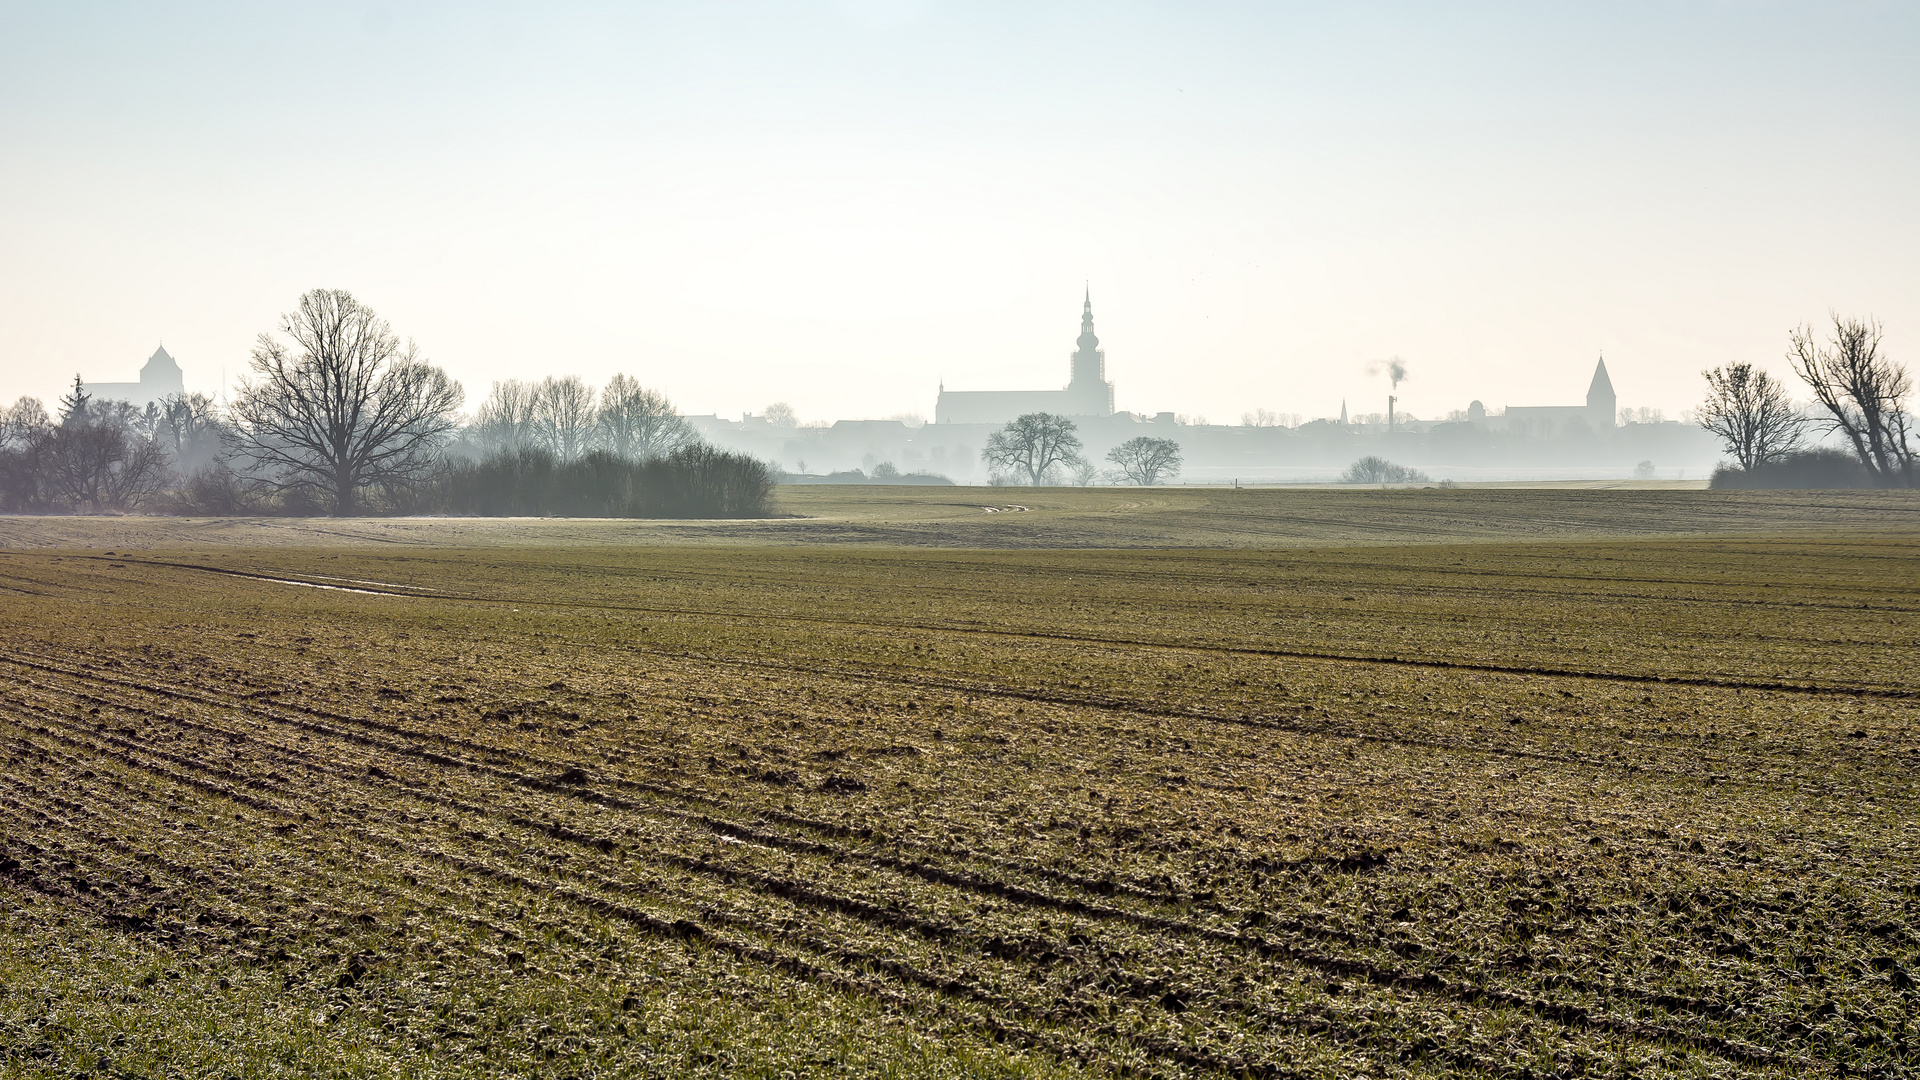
(1554, 808)
(1057, 517)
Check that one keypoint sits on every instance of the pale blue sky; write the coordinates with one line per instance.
(838, 204)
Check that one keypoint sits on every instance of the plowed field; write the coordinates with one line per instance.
(1521, 810)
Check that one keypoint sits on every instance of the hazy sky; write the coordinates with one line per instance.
(838, 204)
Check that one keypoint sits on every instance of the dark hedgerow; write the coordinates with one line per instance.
(1803, 470)
(691, 482)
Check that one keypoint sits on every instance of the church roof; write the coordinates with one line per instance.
(1601, 386)
(161, 360)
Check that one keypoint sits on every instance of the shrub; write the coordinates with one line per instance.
(696, 481)
(1378, 470)
(214, 490)
(1822, 468)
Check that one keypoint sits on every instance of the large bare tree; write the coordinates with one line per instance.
(1145, 460)
(637, 423)
(1864, 394)
(1035, 444)
(1751, 412)
(339, 404)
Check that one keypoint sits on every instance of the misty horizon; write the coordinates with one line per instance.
(840, 206)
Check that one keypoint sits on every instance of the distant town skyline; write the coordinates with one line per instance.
(840, 205)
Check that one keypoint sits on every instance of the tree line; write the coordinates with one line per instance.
(1859, 393)
(337, 415)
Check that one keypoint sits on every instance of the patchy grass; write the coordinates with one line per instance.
(1160, 517)
(1521, 809)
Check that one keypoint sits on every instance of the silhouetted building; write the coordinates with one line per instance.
(1597, 413)
(1088, 392)
(159, 377)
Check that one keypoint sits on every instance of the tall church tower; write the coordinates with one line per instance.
(1089, 389)
(1600, 399)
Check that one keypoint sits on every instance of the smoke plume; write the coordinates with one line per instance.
(1395, 368)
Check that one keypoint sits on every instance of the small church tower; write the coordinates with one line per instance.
(1600, 400)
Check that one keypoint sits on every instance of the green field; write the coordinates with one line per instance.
(1420, 783)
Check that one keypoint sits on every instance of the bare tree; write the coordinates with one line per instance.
(190, 428)
(339, 405)
(1750, 411)
(563, 416)
(98, 461)
(24, 428)
(781, 415)
(637, 423)
(1864, 394)
(1035, 444)
(506, 421)
(22, 421)
(1145, 460)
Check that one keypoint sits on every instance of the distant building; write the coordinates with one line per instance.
(159, 377)
(1597, 413)
(1088, 392)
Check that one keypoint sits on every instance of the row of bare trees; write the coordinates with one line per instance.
(338, 415)
(102, 455)
(566, 418)
(1858, 392)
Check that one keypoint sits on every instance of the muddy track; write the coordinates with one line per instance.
(1331, 964)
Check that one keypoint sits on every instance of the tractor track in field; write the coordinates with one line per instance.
(1573, 1016)
(515, 761)
(1333, 729)
(681, 928)
(1141, 989)
(892, 626)
(1299, 726)
(545, 781)
(844, 977)
(919, 867)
